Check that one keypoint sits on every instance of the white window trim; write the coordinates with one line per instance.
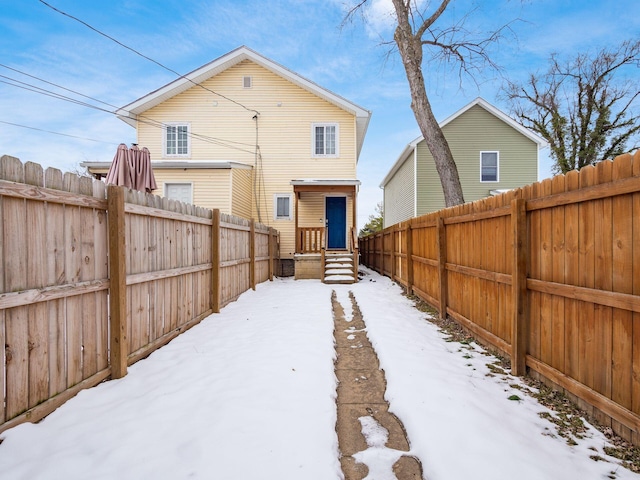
(164, 139)
(276, 196)
(244, 81)
(497, 166)
(313, 139)
(166, 185)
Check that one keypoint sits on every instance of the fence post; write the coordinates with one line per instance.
(409, 259)
(270, 254)
(215, 261)
(382, 253)
(519, 287)
(252, 254)
(394, 230)
(442, 267)
(117, 282)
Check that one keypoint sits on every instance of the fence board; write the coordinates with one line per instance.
(571, 278)
(54, 287)
(535, 249)
(622, 265)
(583, 282)
(558, 276)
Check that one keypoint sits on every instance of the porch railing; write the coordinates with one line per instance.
(310, 239)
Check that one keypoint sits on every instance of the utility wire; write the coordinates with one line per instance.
(145, 56)
(142, 119)
(57, 133)
(54, 84)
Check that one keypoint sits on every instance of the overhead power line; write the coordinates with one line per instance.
(140, 118)
(145, 56)
(58, 133)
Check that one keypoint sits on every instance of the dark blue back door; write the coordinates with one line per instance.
(336, 208)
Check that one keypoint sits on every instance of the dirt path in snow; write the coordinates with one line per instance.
(373, 443)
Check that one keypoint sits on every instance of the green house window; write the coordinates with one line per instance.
(489, 162)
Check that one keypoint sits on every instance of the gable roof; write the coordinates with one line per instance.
(489, 108)
(129, 112)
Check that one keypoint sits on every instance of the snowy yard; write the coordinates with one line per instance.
(250, 394)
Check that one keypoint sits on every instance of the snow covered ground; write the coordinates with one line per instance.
(250, 394)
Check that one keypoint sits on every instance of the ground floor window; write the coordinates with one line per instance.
(182, 192)
(282, 206)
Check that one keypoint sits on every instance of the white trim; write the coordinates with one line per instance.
(315, 125)
(502, 116)
(408, 150)
(415, 182)
(164, 140)
(276, 196)
(167, 184)
(181, 165)
(497, 152)
(247, 79)
(129, 113)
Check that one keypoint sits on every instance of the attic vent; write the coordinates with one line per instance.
(246, 82)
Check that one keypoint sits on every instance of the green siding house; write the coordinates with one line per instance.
(492, 151)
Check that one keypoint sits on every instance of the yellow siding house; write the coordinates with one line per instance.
(252, 138)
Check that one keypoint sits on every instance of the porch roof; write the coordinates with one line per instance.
(325, 185)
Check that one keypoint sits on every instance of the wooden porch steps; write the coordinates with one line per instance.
(339, 268)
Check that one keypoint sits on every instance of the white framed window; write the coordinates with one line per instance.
(177, 141)
(489, 166)
(282, 209)
(325, 139)
(182, 192)
(247, 82)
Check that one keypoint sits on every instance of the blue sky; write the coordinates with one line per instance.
(303, 35)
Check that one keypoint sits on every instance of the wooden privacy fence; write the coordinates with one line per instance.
(94, 278)
(549, 274)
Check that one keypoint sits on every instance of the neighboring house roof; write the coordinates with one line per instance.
(489, 108)
(129, 112)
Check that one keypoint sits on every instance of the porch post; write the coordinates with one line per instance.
(298, 249)
(354, 209)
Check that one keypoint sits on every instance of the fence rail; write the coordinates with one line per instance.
(549, 274)
(94, 278)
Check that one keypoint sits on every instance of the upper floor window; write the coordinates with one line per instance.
(489, 166)
(325, 139)
(176, 140)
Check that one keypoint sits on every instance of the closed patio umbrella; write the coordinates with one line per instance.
(143, 177)
(121, 171)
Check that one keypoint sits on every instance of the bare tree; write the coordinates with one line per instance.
(581, 108)
(418, 28)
